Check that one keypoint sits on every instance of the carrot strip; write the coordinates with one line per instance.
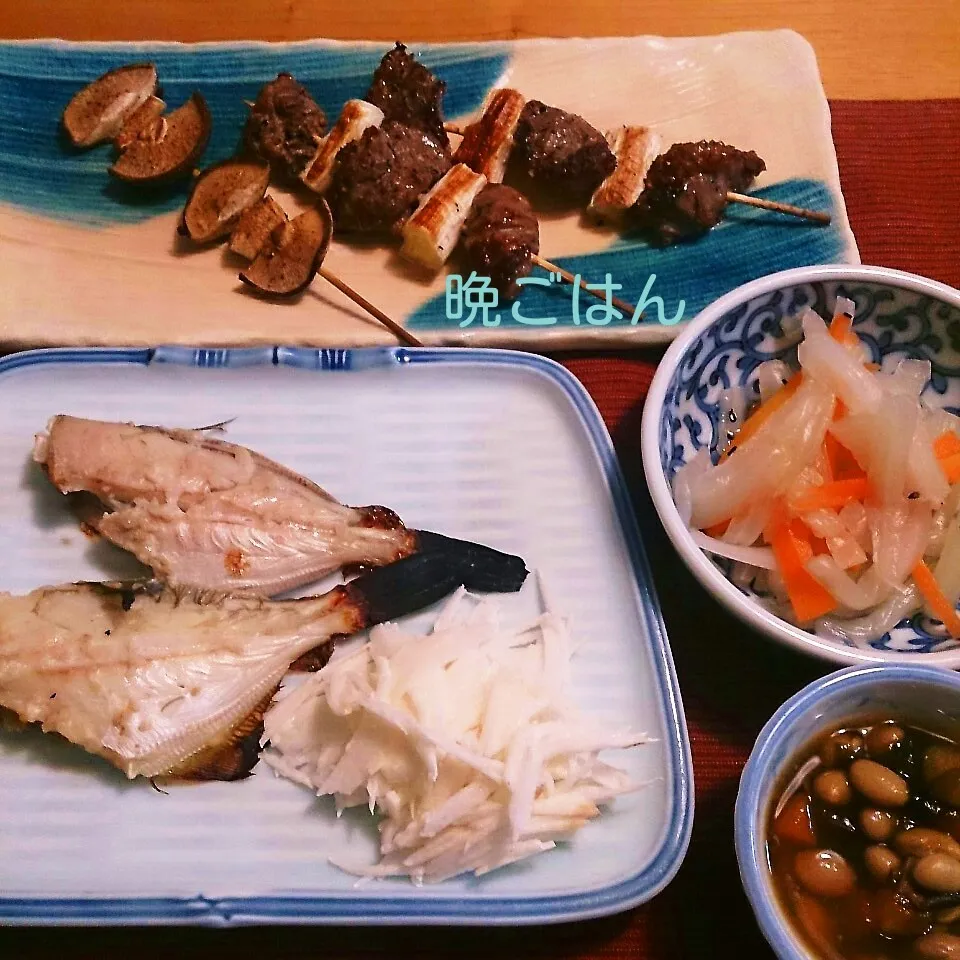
(792, 548)
(779, 517)
(946, 445)
(936, 599)
(762, 413)
(841, 329)
(793, 825)
(819, 546)
(951, 467)
(830, 496)
(839, 409)
(718, 529)
(843, 464)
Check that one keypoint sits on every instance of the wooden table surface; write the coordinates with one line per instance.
(868, 49)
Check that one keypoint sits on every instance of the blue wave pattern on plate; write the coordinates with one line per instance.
(40, 172)
(749, 244)
(893, 324)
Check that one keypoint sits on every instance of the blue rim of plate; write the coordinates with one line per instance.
(768, 753)
(230, 911)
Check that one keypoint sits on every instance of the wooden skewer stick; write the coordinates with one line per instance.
(625, 308)
(787, 208)
(403, 335)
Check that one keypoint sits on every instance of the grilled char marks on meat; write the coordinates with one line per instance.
(284, 126)
(379, 178)
(501, 236)
(562, 151)
(406, 91)
(686, 189)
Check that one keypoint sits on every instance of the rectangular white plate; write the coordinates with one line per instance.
(83, 262)
(498, 447)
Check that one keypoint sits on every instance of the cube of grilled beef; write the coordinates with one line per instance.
(379, 179)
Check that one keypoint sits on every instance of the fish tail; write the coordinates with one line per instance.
(403, 587)
(483, 568)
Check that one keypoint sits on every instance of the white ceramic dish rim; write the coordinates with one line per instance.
(767, 758)
(696, 560)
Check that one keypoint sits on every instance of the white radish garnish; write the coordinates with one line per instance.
(466, 741)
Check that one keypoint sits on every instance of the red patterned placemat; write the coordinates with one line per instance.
(898, 164)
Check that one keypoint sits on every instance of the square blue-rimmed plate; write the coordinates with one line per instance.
(500, 447)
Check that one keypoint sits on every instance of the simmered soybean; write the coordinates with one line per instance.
(868, 860)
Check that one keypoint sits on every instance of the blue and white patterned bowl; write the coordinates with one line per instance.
(917, 694)
(898, 315)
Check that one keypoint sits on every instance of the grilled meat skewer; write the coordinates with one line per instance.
(284, 126)
(407, 92)
(685, 193)
(379, 179)
(561, 151)
(501, 237)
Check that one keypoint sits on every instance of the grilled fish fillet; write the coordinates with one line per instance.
(213, 515)
(162, 682)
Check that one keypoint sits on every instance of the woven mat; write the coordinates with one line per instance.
(898, 163)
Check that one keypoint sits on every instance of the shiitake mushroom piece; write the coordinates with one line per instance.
(254, 227)
(220, 195)
(144, 122)
(98, 112)
(171, 151)
(291, 257)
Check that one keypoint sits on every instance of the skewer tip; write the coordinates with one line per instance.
(816, 216)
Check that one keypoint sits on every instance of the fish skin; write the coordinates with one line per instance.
(209, 514)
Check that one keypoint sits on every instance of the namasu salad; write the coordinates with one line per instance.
(835, 492)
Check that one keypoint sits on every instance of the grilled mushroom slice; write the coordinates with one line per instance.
(172, 150)
(220, 195)
(292, 255)
(98, 111)
(255, 225)
(144, 123)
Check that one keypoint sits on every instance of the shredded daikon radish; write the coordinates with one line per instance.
(823, 359)
(699, 463)
(947, 570)
(756, 556)
(771, 376)
(773, 457)
(860, 631)
(466, 741)
(747, 526)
